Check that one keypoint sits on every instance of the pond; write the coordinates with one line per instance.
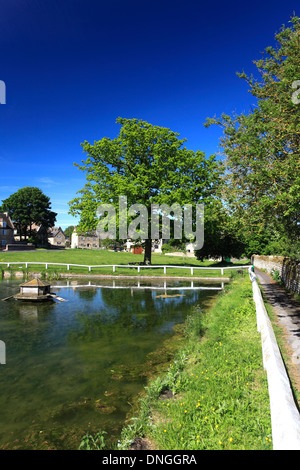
(76, 366)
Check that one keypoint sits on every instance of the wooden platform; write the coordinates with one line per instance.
(33, 297)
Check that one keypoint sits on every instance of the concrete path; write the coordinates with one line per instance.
(287, 311)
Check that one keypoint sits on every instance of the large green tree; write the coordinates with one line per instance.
(221, 237)
(262, 148)
(147, 164)
(29, 206)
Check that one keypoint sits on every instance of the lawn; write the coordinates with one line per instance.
(108, 258)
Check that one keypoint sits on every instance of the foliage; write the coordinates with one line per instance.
(173, 246)
(220, 238)
(90, 442)
(69, 230)
(29, 206)
(147, 164)
(276, 275)
(262, 148)
(220, 393)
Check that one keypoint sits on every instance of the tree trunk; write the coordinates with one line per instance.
(148, 250)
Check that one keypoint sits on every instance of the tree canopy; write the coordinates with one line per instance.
(29, 206)
(148, 165)
(262, 148)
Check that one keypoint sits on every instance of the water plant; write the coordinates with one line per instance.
(93, 442)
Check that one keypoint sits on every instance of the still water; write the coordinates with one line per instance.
(76, 366)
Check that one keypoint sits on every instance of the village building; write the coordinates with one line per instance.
(56, 237)
(84, 240)
(6, 230)
(92, 240)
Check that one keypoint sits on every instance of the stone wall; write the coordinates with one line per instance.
(19, 247)
(291, 275)
(289, 270)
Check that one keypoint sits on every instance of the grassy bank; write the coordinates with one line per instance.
(215, 394)
(105, 257)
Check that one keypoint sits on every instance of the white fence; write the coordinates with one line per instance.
(139, 285)
(285, 417)
(114, 266)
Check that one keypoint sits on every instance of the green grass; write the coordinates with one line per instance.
(105, 257)
(220, 393)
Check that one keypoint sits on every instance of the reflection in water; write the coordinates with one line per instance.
(75, 366)
(144, 284)
(28, 311)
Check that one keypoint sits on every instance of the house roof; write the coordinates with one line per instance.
(35, 283)
(88, 233)
(7, 219)
(54, 231)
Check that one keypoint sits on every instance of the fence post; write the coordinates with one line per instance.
(222, 271)
(165, 270)
(68, 267)
(192, 271)
(46, 264)
(114, 268)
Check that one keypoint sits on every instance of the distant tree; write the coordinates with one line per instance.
(29, 206)
(69, 230)
(147, 164)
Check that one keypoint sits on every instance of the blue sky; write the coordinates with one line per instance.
(71, 67)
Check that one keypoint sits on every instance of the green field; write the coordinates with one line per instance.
(109, 258)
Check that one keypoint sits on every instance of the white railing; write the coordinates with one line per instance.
(114, 266)
(285, 416)
(139, 285)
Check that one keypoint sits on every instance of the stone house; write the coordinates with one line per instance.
(85, 240)
(56, 237)
(6, 230)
